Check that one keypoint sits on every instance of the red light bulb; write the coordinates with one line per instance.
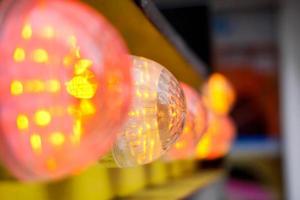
(195, 126)
(217, 140)
(65, 87)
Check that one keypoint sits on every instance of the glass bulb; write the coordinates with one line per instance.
(156, 118)
(195, 126)
(218, 94)
(217, 140)
(64, 95)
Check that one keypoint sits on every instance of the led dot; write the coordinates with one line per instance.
(203, 147)
(16, 88)
(77, 131)
(146, 95)
(148, 126)
(34, 86)
(76, 52)
(36, 142)
(53, 86)
(80, 87)
(87, 107)
(138, 93)
(131, 114)
(82, 65)
(57, 138)
(42, 118)
(26, 32)
(22, 122)
(40, 56)
(179, 145)
(19, 55)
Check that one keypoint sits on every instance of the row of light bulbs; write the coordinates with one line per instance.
(70, 94)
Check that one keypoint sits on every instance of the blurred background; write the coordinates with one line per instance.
(241, 40)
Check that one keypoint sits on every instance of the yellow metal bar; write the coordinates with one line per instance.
(180, 188)
(156, 173)
(127, 181)
(92, 184)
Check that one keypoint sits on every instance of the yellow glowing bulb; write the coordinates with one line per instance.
(219, 94)
(19, 55)
(40, 56)
(26, 32)
(42, 118)
(36, 142)
(22, 122)
(80, 87)
(16, 88)
(57, 138)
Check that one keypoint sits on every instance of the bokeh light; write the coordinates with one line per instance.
(218, 138)
(156, 118)
(195, 126)
(65, 87)
(218, 94)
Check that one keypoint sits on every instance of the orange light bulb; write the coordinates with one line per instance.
(218, 94)
(64, 95)
(217, 140)
(195, 126)
(156, 118)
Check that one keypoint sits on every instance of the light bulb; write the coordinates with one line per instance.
(195, 126)
(65, 87)
(218, 94)
(156, 118)
(217, 140)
